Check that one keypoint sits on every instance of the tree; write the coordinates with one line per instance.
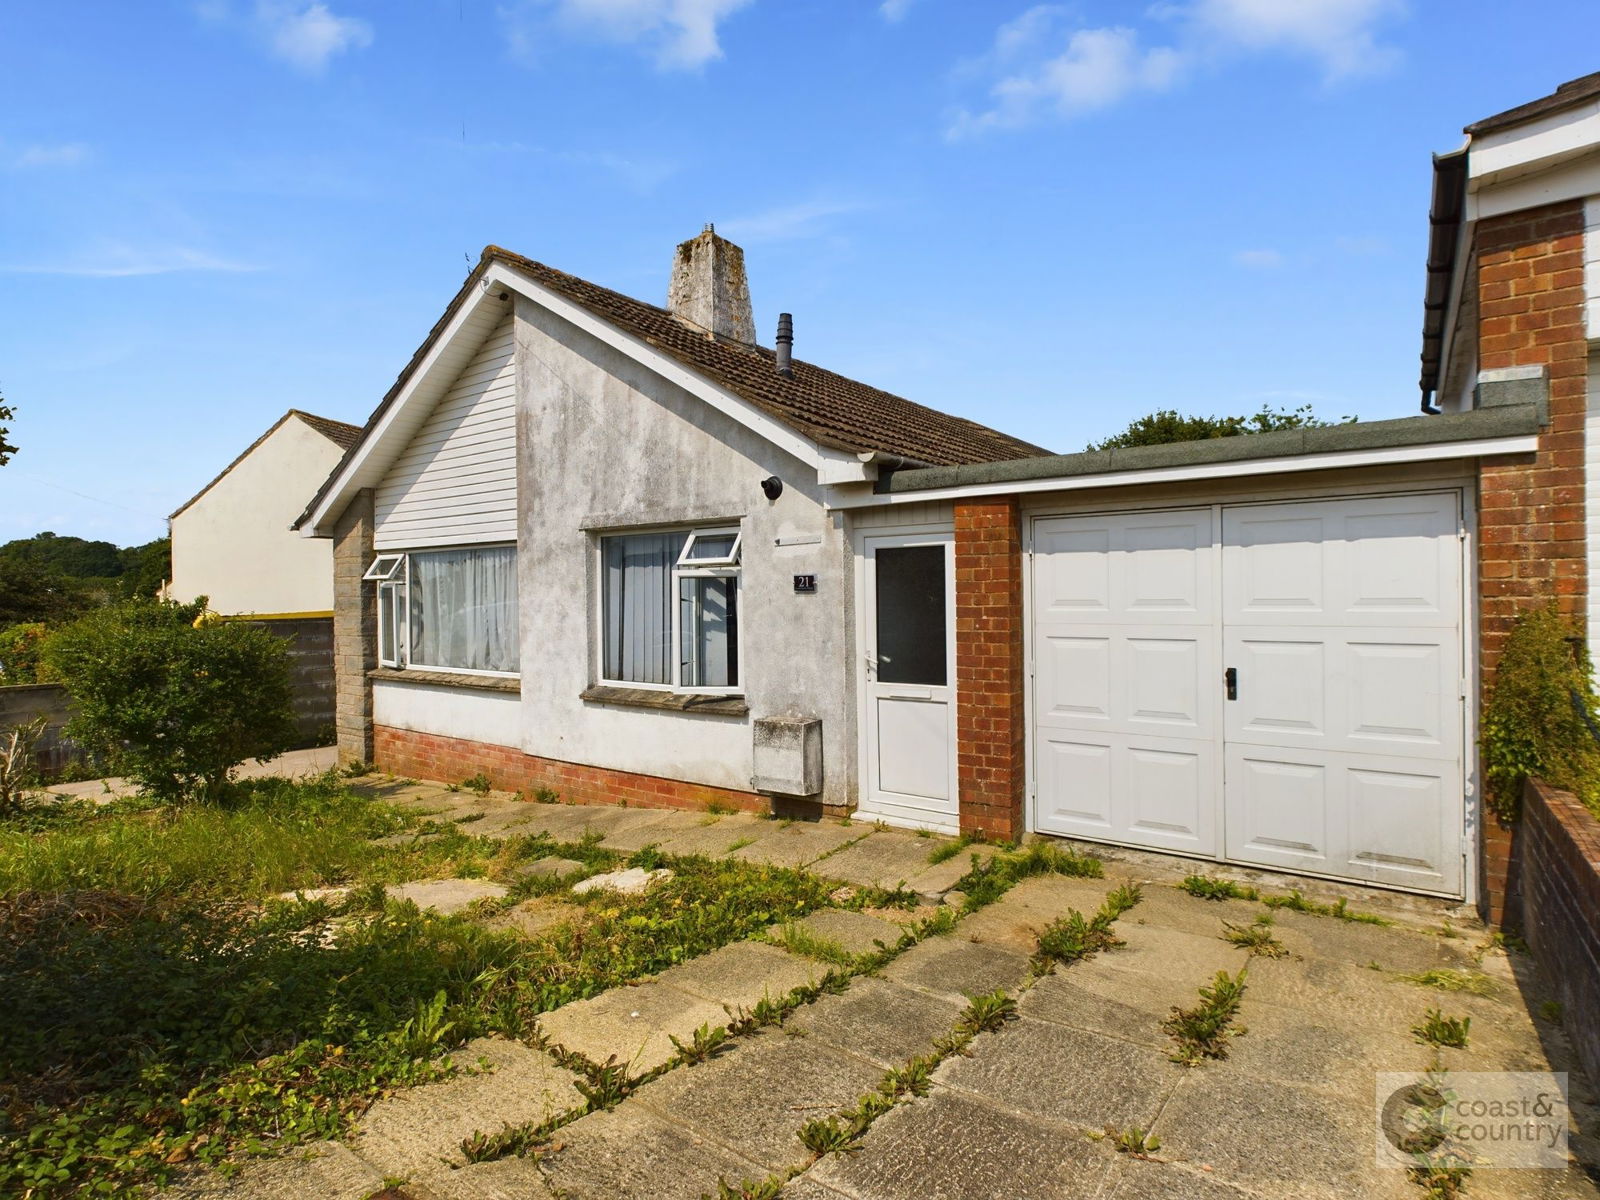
(145, 568)
(1167, 425)
(29, 592)
(171, 700)
(7, 413)
(71, 556)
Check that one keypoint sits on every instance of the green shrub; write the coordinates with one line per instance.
(20, 652)
(173, 698)
(1532, 725)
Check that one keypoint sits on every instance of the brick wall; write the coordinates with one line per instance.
(1560, 911)
(990, 758)
(450, 760)
(1530, 507)
(355, 630)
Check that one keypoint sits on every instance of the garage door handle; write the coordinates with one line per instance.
(1230, 677)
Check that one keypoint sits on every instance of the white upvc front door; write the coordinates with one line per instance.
(908, 680)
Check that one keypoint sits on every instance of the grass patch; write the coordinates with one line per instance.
(1203, 1031)
(1255, 937)
(945, 851)
(1206, 887)
(1074, 937)
(1340, 909)
(797, 939)
(1448, 980)
(988, 881)
(160, 1013)
(1436, 1029)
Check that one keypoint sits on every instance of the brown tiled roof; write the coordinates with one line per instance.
(828, 408)
(338, 432)
(1569, 95)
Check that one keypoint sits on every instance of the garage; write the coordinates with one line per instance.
(1278, 685)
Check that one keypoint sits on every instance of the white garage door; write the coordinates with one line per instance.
(1276, 685)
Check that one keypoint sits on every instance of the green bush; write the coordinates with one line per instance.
(171, 697)
(21, 646)
(1532, 723)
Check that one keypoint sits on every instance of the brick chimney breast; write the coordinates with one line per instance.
(709, 289)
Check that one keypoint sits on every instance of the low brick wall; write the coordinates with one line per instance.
(26, 702)
(450, 760)
(1559, 849)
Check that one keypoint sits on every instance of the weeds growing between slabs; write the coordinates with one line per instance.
(163, 1010)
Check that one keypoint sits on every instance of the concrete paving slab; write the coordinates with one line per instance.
(1394, 948)
(1305, 1048)
(715, 836)
(1335, 991)
(754, 1098)
(879, 1020)
(1015, 919)
(1134, 1179)
(1573, 1183)
(885, 859)
(1276, 1139)
(561, 822)
(742, 973)
(631, 1154)
(416, 1130)
(1152, 949)
(641, 827)
(629, 881)
(953, 1147)
(1059, 1073)
(854, 932)
(935, 879)
(447, 895)
(1172, 908)
(322, 1169)
(803, 1187)
(800, 843)
(634, 1024)
(502, 1179)
(955, 967)
(1104, 1000)
(534, 917)
(548, 868)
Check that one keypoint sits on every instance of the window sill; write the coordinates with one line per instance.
(714, 704)
(482, 683)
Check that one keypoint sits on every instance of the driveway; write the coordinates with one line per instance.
(1074, 1094)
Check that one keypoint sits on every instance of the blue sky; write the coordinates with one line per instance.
(1050, 218)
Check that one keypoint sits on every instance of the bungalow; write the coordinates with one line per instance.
(627, 554)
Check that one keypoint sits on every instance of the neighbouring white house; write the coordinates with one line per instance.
(624, 552)
(233, 543)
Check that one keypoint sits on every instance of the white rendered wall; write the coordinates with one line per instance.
(234, 544)
(470, 713)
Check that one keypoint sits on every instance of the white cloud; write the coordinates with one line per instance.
(121, 262)
(895, 10)
(680, 34)
(1338, 34)
(1097, 68)
(304, 35)
(308, 37)
(788, 223)
(1261, 260)
(69, 154)
(1041, 65)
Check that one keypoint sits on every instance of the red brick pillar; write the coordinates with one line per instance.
(1530, 507)
(989, 684)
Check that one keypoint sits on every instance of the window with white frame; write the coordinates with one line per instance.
(448, 610)
(669, 610)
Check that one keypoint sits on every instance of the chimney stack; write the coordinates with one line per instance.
(709, 289)
(785, 344)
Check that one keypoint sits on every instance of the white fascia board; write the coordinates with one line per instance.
(1566, 180)
(664, 365)
(839, 466)
(353, 477)
(1290, 464)
(1534, 146)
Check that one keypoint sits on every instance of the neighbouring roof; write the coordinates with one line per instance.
(1481, 424)
(828, 408)
(339, 433)
(1569, 95)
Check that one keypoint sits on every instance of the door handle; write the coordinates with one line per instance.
(1230, 679)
